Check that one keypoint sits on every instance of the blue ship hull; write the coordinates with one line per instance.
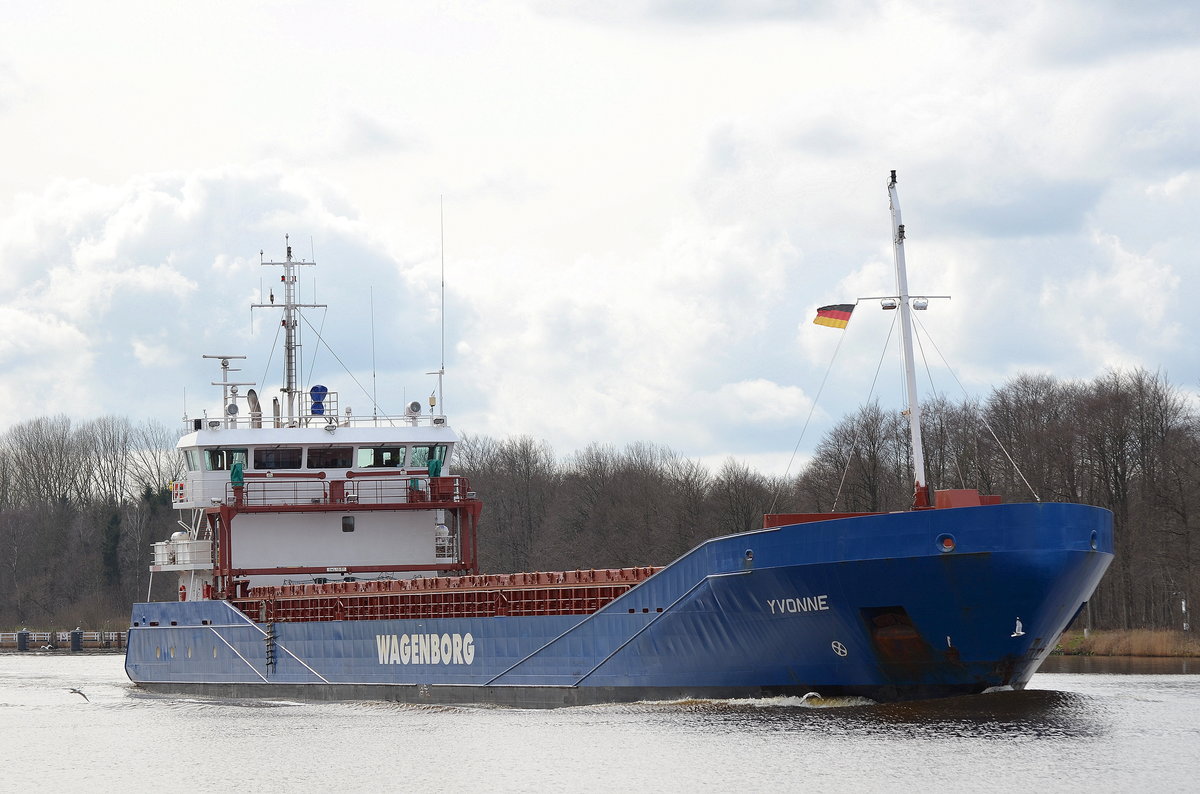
(874, 606)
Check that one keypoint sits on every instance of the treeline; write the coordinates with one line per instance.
(1126, 441)
(603, 507)
(80, 504)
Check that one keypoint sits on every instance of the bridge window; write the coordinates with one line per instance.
(376, 457)
(277, 457)
(223, 459)
(191, 458)
(423, 453)
(329, 457)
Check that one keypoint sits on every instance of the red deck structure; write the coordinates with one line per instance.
(540, 593)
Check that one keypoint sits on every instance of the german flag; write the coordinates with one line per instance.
(835, 316)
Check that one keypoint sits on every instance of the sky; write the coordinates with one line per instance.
(638, 206)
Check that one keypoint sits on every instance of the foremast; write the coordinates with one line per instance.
(921, 490)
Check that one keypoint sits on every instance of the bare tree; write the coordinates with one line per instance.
(44, 460)
(153, 460)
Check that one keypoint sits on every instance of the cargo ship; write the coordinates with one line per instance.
(334, 556)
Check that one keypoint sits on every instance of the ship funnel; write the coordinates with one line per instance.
(255, 408)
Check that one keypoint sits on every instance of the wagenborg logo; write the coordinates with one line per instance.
(425, 648)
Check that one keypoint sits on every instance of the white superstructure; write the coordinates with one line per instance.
(316, 494)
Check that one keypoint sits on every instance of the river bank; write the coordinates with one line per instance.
(1133, 642)
(26, 641)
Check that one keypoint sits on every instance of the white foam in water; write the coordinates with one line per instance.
(811, 700)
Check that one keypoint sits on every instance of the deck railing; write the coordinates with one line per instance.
(331, 417)
(357, 488)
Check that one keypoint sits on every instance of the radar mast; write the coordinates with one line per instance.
(291, 323)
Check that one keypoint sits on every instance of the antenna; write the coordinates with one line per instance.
(374, 383)
(442, 241)
(441, 370)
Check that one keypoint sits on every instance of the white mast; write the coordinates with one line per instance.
(291, 324)
(910, 374)
(229, 390)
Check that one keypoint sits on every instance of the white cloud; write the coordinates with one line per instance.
(152, 354)
(1172, 187)
(1112, 313)
(763, 402)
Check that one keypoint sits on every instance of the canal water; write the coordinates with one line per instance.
(1084, 724)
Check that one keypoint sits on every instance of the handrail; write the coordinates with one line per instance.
(266, 422)
(291, 475)
(383, 487)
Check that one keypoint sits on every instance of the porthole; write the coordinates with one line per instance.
(214, 652)
(172, 652)
(158, 653)
(189, 652)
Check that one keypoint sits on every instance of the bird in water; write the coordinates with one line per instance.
(77, 692)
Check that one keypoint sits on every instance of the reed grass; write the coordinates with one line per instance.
(1133, 642)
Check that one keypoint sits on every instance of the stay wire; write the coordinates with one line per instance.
(858, 425)
(270, 358)
(313, 363)
(962, 481)
(812, 408)
(983, 420)
(362, 388)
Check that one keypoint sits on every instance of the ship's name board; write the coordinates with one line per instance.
(781, 606)
(425, 648)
